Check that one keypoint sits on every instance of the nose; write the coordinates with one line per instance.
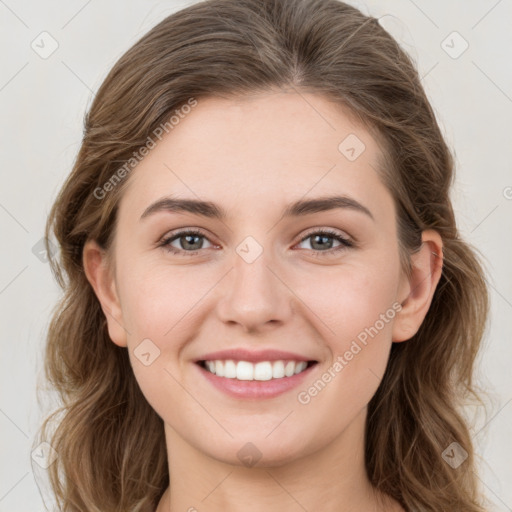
(254, 295)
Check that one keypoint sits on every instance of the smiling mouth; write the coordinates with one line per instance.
(262, 371)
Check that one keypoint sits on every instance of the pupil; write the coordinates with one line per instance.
(188, 237)
(323, 241)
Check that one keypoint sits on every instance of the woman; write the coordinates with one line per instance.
(267, 303)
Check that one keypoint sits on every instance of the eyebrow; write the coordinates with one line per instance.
(296, 209)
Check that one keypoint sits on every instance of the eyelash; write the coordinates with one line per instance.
(344, 242)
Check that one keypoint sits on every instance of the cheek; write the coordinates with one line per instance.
(160, 308)
(349, 299)
(355, 309)
(160, 300)
(158, 312)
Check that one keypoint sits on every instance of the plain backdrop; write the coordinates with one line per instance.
(463, 50)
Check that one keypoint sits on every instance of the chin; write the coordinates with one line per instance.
(260, 452)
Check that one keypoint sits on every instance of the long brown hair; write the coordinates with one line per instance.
(110, 442)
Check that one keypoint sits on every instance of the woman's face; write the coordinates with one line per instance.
(272, 277)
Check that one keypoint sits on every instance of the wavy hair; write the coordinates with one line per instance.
(110, 442)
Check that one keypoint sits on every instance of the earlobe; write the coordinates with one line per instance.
(99, 276)
(427, 264)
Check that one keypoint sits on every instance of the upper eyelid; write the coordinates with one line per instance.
(330, 231)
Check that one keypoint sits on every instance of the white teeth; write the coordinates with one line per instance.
(244, 370)
(219, 368)
(300, 367)
(289, 369)
(278, 370)
(230, 369)
(264, 370)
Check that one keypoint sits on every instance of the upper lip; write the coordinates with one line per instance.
(252, 356)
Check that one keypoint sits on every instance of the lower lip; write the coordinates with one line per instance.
(255, 389)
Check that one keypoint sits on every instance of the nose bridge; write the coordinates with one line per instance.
(253, 295)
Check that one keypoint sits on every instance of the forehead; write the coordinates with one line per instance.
(259, 150)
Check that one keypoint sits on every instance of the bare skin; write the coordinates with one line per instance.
(253, 156)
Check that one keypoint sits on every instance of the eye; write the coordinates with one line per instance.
(190, 242)
(321, 241)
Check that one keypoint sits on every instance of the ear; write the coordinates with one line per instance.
(100, 277)
(417, 290)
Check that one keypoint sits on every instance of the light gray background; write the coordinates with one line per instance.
(43, 101)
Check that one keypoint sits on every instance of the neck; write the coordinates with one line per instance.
(332, 479)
